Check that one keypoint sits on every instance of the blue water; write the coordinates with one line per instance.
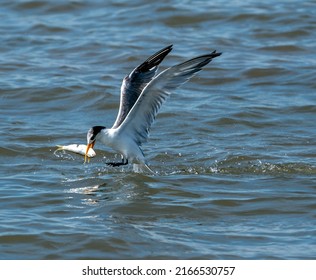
(233, 150)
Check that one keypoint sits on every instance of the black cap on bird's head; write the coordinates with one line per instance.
(91, 137)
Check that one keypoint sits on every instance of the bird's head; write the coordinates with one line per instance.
(92, 137)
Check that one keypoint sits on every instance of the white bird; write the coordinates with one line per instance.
(142, 94)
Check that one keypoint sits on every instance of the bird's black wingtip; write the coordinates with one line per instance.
(215, 54)
(170, 47)
(167, 49)
(155, 59)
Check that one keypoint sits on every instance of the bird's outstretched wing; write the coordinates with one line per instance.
(138, 121)
(134, 83)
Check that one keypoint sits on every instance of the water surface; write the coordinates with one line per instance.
(233, 150)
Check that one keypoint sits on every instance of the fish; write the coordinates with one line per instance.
(78, 149)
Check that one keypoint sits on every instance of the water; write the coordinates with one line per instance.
(233, 150)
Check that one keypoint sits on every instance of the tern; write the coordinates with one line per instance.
(142, 94)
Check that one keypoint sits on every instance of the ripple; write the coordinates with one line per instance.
(45, 28)
(249, 165)
(48, 7)
(236, 165)
(233, 150)
(283, 48)
(256, 73)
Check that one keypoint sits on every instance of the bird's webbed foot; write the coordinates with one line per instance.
(114, 164)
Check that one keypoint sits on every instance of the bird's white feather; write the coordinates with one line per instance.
(138, 121)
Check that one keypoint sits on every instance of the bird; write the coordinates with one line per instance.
(143, 92)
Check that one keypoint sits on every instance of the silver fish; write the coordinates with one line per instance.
(78, 149)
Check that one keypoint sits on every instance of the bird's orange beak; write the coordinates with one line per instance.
(86, 158)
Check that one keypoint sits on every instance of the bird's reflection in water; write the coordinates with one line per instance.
(116, 190)
(88, 191)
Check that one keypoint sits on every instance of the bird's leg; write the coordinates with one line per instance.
(124, 162)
